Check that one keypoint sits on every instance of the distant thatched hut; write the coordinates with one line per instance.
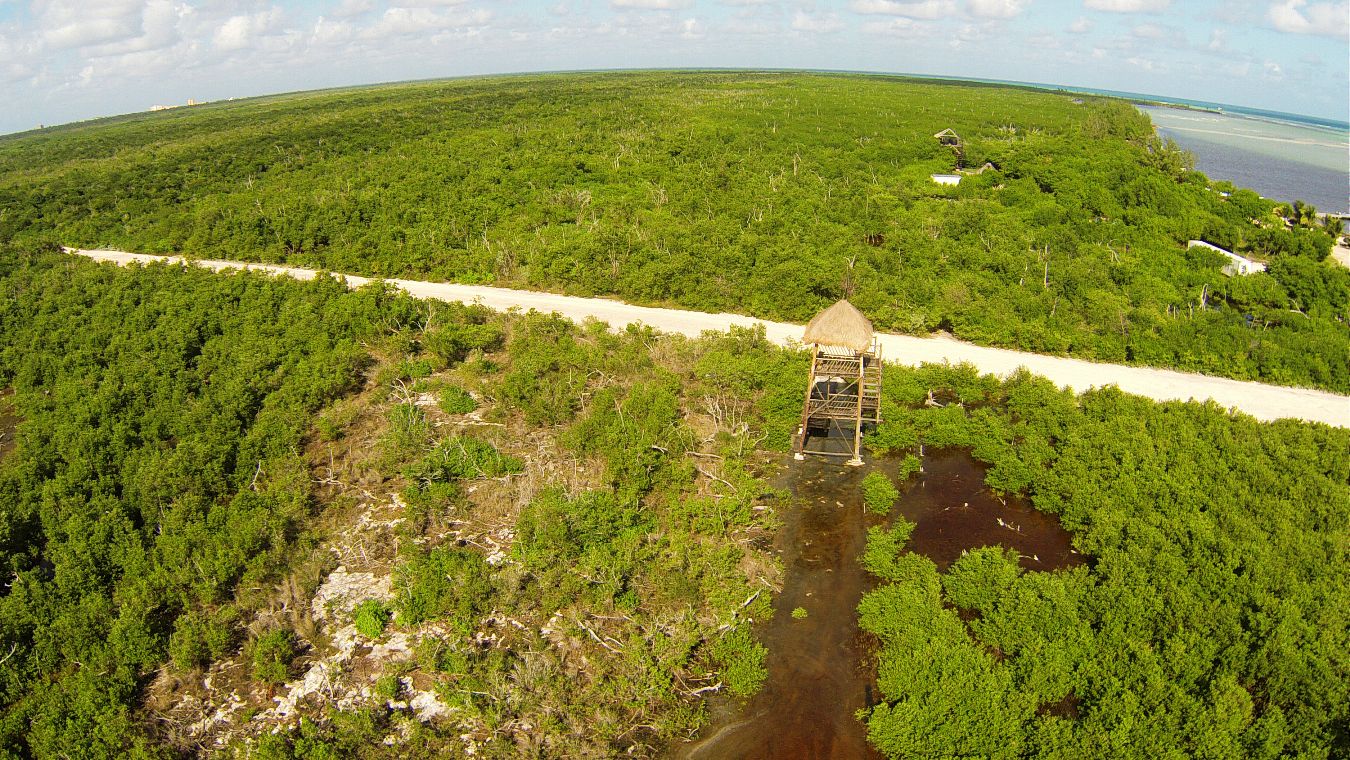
(843, 392)
(950, 139)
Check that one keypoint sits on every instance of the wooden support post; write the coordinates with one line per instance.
(857, 422)
(876, 351)
(806, 408)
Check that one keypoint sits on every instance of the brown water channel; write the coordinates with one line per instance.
(821, 666)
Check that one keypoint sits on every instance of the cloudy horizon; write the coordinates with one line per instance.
(64, 60)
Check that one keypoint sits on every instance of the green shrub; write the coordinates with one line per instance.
(409, 432)
(799, 613)
(553, 527)
(273, 654)
(328, 429)
(548, 369)
(879, 493)
(388, 686)
(453, 342)
(456, 401)
(442, 583)
(199, 638)
(741, 660)
(341, 735)
(462, 457)
(885, 557)
(413, 369)
(981, 577)
(371, 616)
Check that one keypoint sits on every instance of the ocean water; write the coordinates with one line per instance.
(1280, 159)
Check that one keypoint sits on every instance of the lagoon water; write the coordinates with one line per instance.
(1278, 159)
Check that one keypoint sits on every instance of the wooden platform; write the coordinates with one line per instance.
(843, 397)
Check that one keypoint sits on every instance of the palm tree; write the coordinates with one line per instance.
(1305, 214)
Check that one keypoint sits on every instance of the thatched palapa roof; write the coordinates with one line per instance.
(840, 325)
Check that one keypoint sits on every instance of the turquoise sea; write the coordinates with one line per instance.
(1279, 158)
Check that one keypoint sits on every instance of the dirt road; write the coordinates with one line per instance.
(1264, 402)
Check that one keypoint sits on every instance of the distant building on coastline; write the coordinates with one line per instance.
(191, 102)
(1236, 266)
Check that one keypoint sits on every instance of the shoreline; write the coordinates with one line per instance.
(1281, 161)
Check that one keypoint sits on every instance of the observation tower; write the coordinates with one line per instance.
(843, 391)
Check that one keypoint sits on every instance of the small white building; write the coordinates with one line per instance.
(1237, 265)
(947, 179)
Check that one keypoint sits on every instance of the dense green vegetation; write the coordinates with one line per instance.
(879, 493)
(1212, 619)
(177, 425)
(164, 492)
(156, 471)
(769, 194)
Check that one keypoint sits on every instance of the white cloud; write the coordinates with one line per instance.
(65, 24)
(996, 8)
(651, 5)
(349, 8)
(816, 24)
(329, 34)
(239, 32)
(1042, 42)
(1272, 71)
(1151, 31)
(410, 22)
(1147, 64)
(1298, 17)
(925, 9)
(971, 33)
(1128, 6)
(1081, 25)
(895, 27)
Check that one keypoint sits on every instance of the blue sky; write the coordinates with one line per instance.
(64, 60)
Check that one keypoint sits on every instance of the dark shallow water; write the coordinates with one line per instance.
(953, 512)
(821, 668)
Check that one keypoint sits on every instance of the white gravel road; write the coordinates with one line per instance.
(1264, 402)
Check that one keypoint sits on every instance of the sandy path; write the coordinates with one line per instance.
(1264, 402)
(1341, 254)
